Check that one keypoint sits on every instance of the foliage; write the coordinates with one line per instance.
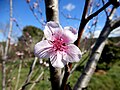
(108, 81)
(33, 31)
(31, 35)
(12, 72)
(109, 56)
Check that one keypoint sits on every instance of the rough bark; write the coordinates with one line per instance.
(95, 55)
(52, 14)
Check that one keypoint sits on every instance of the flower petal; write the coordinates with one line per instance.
(43, 49)
(50, 29)
(72, 54)
(57, 60)
(70, 35)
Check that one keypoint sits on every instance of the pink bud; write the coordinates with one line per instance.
(109, 9)
(97, 4)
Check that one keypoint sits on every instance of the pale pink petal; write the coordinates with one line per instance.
(43, 49)
(72, 54)
(51, 28)
(57, 60)
(69, 35)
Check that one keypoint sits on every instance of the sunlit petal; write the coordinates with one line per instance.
(69, 35)
(50, 29)
(43, 49)
(72, 54)
(57, 60)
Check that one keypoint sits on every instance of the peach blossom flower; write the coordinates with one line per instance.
(58, 45)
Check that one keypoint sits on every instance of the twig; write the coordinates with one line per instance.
(35, 14)
(73, 18)
(66, 75)
(37, 80)
(29, 75)
(105, 9)
(18, 77)
(90, 67)
(85, 20)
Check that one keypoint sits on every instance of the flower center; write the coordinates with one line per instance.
(59, 45)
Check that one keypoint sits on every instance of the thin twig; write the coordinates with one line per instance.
(37, 80)
(67, 17)
(18, 77)
(66, 75)
(105, 8)
(29, 75)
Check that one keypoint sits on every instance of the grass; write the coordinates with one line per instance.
(108, 81)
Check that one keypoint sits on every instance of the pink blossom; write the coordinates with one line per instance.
(58, 45)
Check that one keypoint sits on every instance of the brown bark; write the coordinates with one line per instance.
(90, 67)
(85, 20)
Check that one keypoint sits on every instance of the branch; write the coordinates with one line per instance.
(112, 13)
(29, 75)
(69, 67)
(83, 22)
(35, 15)
(105, 9)
(90, 67)
(67, 17)
(33, 82)
(37, 80)
(18, 77)
(65, 86)
(98, 11)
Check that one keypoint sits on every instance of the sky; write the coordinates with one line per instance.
(24, 16)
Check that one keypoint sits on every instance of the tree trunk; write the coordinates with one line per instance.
(52, 14)
(90, 67)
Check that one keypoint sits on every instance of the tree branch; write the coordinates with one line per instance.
(83, 22)
(68, 68)
(29, 75)
(90, 67)
(98, 11)
(19, 73)
(37, 80)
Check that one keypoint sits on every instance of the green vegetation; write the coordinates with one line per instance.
(12, 72)
(101, 80)
(106, 77)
